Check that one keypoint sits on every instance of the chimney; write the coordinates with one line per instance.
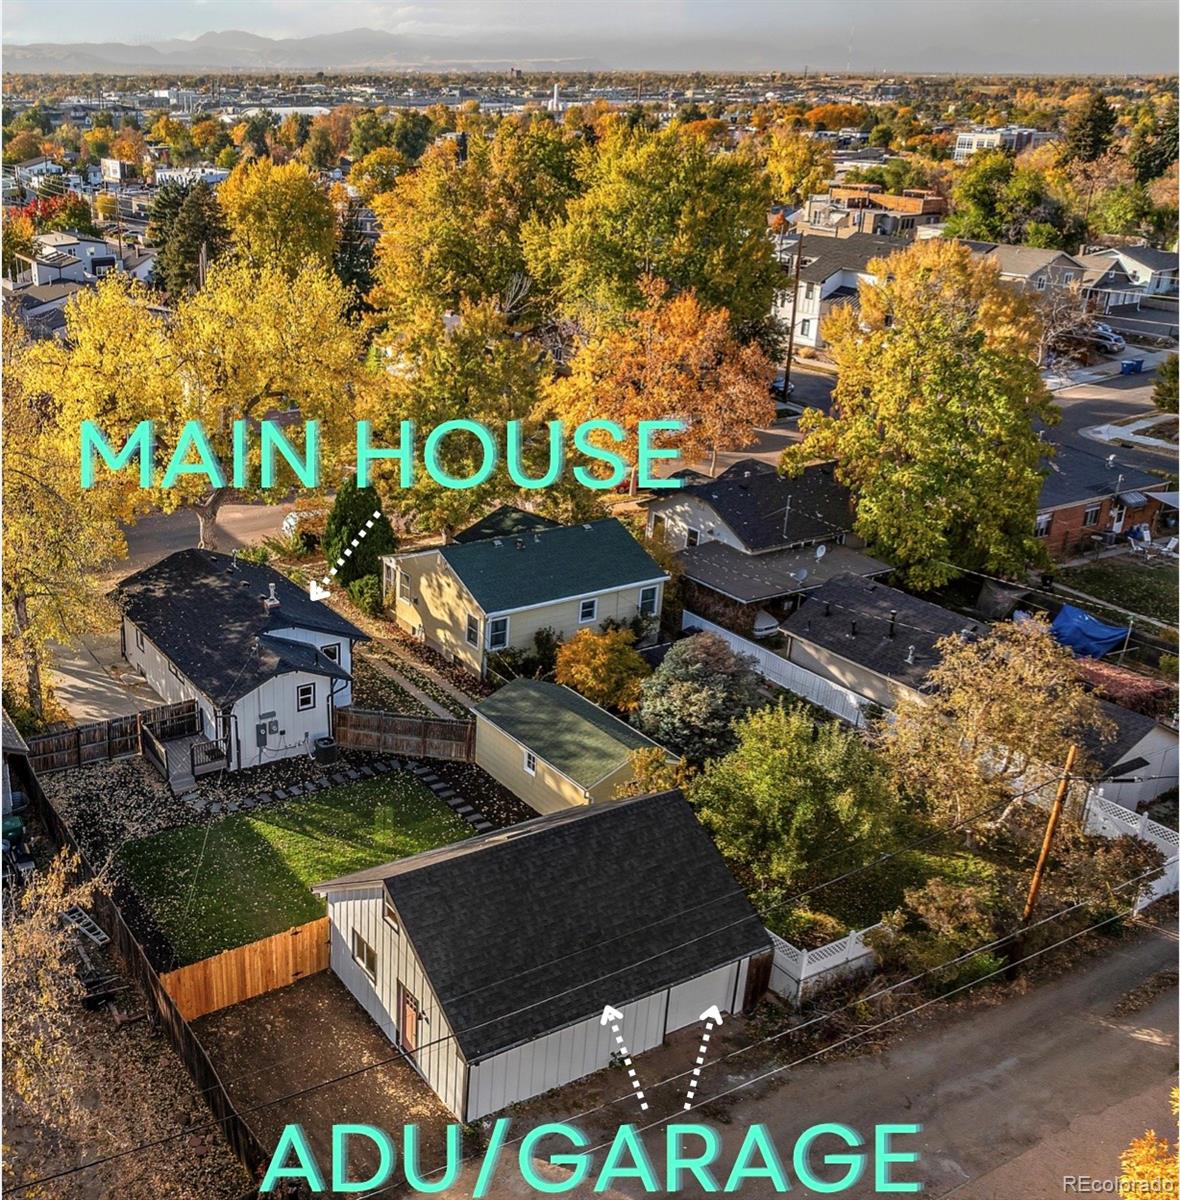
(893, 622)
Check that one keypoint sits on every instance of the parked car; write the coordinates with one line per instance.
(780, 389)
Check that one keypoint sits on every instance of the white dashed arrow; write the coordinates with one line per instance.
(318, 589)
(711, 1017)
(612, 1017)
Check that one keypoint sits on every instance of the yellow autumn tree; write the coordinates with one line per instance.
(672, 359)
(251, 344)
(798, 165)
(1148, 1165)
(278, 216)
(603, 666)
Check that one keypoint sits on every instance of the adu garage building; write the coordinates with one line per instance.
(489, 962)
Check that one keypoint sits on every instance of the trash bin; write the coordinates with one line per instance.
(1138, 366)
(325, 750)
(1126, 367)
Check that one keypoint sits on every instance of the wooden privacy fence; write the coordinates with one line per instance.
(118, 737)
(414, 737)
(249, 971)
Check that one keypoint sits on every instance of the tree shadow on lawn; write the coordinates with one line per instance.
(211, 888)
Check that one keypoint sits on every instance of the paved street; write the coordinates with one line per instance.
(1113, 399)
(151, 538)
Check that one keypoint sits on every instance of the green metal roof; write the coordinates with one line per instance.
(579, 739)
(545, 565)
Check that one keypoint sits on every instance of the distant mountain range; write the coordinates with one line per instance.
(236, 50)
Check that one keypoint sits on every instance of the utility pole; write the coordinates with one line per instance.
(794, 316)
(1034, 886)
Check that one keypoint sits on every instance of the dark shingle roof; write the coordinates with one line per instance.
(550, 564)
(750, 578)
(582, 741)
(1075, 475)
(533, 928)
(1149, 257)
(210, 622)
(824, 256)
(752, 499)
(505, 521)
(1130, 728)
(826, 618)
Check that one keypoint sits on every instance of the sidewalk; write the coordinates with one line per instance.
(1056, 382)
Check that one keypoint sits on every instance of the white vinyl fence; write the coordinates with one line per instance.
(796, 973)
(1109, 819)
(838, 700)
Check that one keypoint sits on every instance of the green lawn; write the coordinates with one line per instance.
(253, 872)
(1148, 588)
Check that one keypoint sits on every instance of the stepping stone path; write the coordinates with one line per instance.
(382, 766)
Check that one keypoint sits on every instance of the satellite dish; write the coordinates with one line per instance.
(820, 551)
(801, 574)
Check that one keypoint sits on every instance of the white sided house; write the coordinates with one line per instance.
(266, 665)
(489, 962)
(487, 591)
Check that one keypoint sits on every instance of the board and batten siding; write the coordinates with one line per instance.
(298, 728)
(847, 674)
(167, 683)
(314, 637)
(439, 1062)
(581, 1049)
(682, 513)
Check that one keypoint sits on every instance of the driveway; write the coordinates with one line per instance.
(154, 537)
(93, 681)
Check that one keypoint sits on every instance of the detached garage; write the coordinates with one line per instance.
(489, 962)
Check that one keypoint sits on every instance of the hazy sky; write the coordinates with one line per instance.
(1054, 36)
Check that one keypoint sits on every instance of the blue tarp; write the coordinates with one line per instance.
(1086, 634)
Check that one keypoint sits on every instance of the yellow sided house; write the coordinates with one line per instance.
(472, 598)
(553, 747)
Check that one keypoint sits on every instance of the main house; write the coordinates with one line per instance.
(489, 962)
(752, 543)
(471, 598)
(265, 665)
(553, 747)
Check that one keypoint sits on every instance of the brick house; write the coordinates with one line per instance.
(1088, 497)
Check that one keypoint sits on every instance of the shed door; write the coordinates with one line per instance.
(408, 1025)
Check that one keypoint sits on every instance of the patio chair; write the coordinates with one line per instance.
(1139, 549)
(1169, 548)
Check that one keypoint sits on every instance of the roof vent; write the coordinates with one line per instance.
(893, 622)
(497, 542)
(852, 631)
(233, 561)
(587, 525)
(520, 543)
(909, 655)
(270, 601)
(1110, 462)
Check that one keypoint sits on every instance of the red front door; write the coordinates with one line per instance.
(408, 1026)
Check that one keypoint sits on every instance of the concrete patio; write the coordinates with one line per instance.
(92, 681)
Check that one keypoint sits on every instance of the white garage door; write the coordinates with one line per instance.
(686, 1001)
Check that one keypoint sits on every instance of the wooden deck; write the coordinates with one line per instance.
(180, 762)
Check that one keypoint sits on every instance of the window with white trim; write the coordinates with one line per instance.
(1043, 525)
(332, 651)
(1090, 516)
(305, 696)
(587, 611)
(389, 913)
(497, 633)
(805, 328)
(403, 585)
(364, 955)
(139, 639)
(472, 629)
(530, 762)
(692, 537)
(647, 601)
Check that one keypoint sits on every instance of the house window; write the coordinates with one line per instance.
(805, 328)
(692, 537)
(139, 639)
(173, 671)
(403, 585)
(497, 633)
(390, 915)
(472, 629)
(1040, 283)
(305, 696)
(530, 762)
(808, 291)
(364, 955)
(1044, 524)
(647, 601)
(1090, 516)
(587, 611)
(332, 651)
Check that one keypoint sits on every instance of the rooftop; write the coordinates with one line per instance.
(534, 928)
(574, 736)
(1075, 475)
(823, 257)
(206, 615)
(546, 565)
(505, 521)
(884, 630)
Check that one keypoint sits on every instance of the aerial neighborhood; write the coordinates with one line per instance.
(553, 788)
